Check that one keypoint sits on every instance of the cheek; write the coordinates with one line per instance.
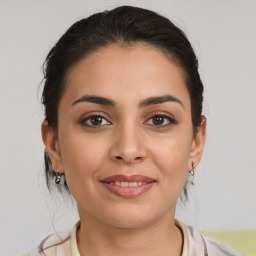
(172, 159)
(82, 156)
(173, 173)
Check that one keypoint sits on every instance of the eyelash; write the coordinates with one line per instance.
(83, 121)
(164, 115)
(167, 117)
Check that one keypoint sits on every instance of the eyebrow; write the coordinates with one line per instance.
(159, 100)
(144, 103)
(95, 99)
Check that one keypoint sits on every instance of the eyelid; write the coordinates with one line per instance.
(164, 114)
(96, 113)
(91, 114)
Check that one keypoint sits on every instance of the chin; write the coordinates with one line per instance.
(129, 217)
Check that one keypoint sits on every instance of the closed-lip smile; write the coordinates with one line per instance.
(128, 186)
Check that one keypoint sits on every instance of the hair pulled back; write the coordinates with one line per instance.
(127, 26)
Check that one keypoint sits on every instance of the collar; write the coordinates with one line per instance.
(74, 247)
(185, 237)
(73, 240)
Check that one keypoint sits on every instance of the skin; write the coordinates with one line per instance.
(127, 142)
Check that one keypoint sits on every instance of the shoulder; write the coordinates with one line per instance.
(59, 249)
(216, 248)
(54, 245)
(59, 244)
(198, 244)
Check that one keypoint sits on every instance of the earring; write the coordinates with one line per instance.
(58, 177)
(192, 173)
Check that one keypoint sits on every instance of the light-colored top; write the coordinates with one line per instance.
(194, 244)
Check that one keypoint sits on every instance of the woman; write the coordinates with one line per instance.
(124, 127)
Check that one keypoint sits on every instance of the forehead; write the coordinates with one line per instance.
(132, 72)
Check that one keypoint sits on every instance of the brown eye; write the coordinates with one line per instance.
(94, 120)
(161, 120)
(158, 120)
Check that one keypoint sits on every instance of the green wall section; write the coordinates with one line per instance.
(242, 241)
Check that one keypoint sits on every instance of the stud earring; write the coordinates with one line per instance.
(58, 177)
(192, 173)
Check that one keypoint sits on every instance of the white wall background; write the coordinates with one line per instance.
(224, 37)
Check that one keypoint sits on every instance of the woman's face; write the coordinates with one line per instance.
(125, 111)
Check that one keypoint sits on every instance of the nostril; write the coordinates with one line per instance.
(129, 159)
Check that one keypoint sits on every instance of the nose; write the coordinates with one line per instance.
(128, 145)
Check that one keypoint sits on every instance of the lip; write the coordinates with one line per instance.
(128, 192)
(131, 178)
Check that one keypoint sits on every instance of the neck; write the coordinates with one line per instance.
(159, 238)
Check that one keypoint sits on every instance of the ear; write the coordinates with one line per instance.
(52, 146)
(197, 145)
